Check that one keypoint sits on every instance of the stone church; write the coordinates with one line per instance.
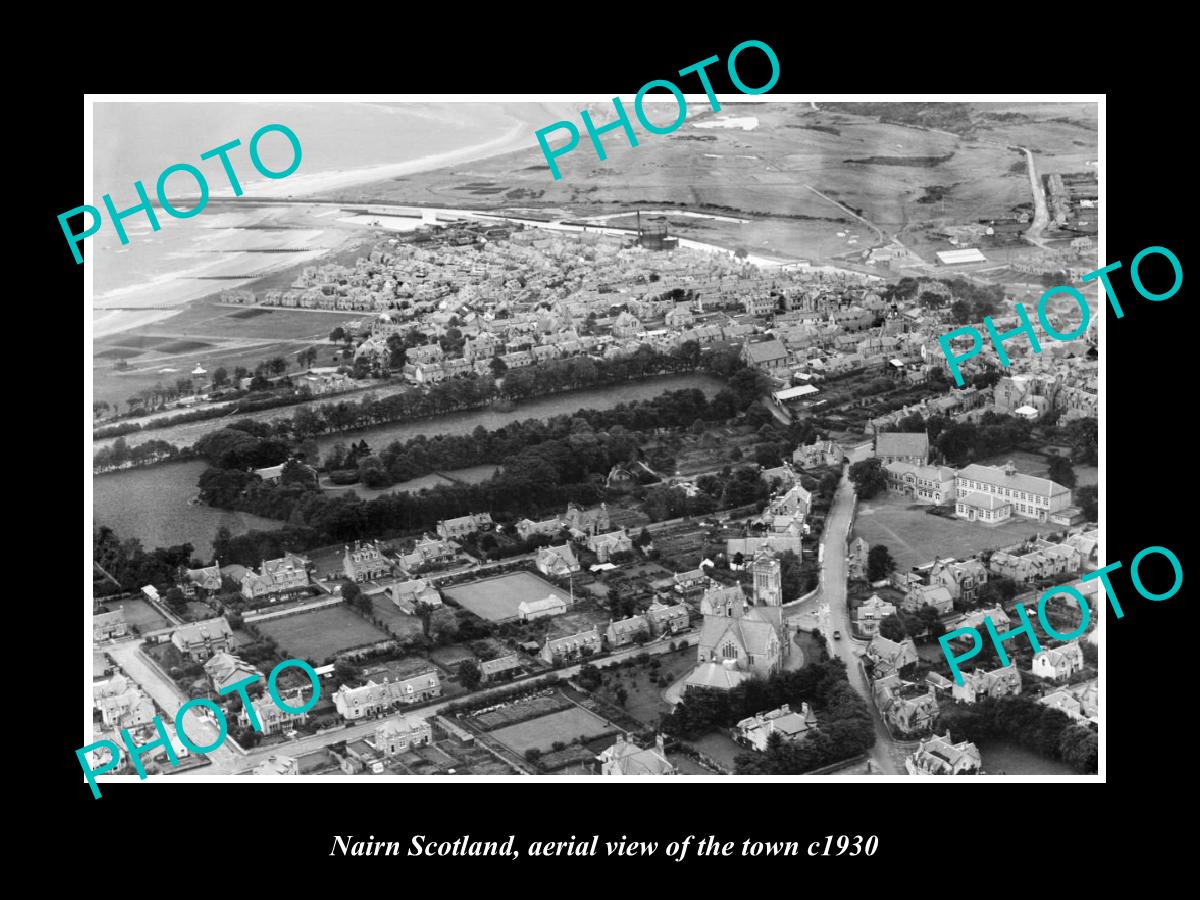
(746, 634)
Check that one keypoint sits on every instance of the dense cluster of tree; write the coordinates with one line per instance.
(844, 722)
(1035, 726)
(959, 443)
(900, 625)
(120, 454)
(1086, 499)
(132, 566)
(242, 445)
(869, 478)
(1082, 436)
(997, 590)
(1061, 471)
(879, 562)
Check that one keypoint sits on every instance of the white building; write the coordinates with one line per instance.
(991, 494)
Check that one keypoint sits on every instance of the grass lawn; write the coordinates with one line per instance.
(1005, 757)
(686, 765)
(562, 726)
(397, 621)
(140, 613)
(720, 747)
(914, 536)
(498, 598)
(320, 634)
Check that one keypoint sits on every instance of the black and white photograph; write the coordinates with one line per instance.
(683, 434)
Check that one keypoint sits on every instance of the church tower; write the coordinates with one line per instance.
(768, 579)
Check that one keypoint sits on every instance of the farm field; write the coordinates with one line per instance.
(565, 726)
(320, 634)
(915, 537)
(497, 598)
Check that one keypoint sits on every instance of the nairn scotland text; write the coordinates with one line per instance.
(346, 845)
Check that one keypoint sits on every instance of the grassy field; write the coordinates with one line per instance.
(882, 169)
(498, 598)
(320, 634)
(914, 536)
(142, 614)
(720, 747)
(541, 733)
(212, 335)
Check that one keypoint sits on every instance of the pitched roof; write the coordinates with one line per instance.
(766, 351)
(984, 501)
(209, 629)
(500, 664)
(901, 443)
(629, 759)
(715, 675)
(1029, 483)
(550, 601)
(751, 631)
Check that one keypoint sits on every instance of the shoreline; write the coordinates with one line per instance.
(111, 317)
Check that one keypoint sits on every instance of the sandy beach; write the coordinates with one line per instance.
(240, 254)
(307, 185)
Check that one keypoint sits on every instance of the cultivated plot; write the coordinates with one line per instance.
(562, 726)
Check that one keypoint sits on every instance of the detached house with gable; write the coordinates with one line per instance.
(1059, 663)
(200, 641)
(938, 755)
(277, 578)
(888, 657)
(366, 562)
(1002, 682)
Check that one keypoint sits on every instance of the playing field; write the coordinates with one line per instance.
(140, 613)
(562, 726)
(319, 634)
(498, 598)
(914, 537)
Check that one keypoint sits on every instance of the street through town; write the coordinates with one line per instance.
(886, 754)
(200, 730)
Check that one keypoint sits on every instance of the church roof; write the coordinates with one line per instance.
(715, 675)
(753, 632)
